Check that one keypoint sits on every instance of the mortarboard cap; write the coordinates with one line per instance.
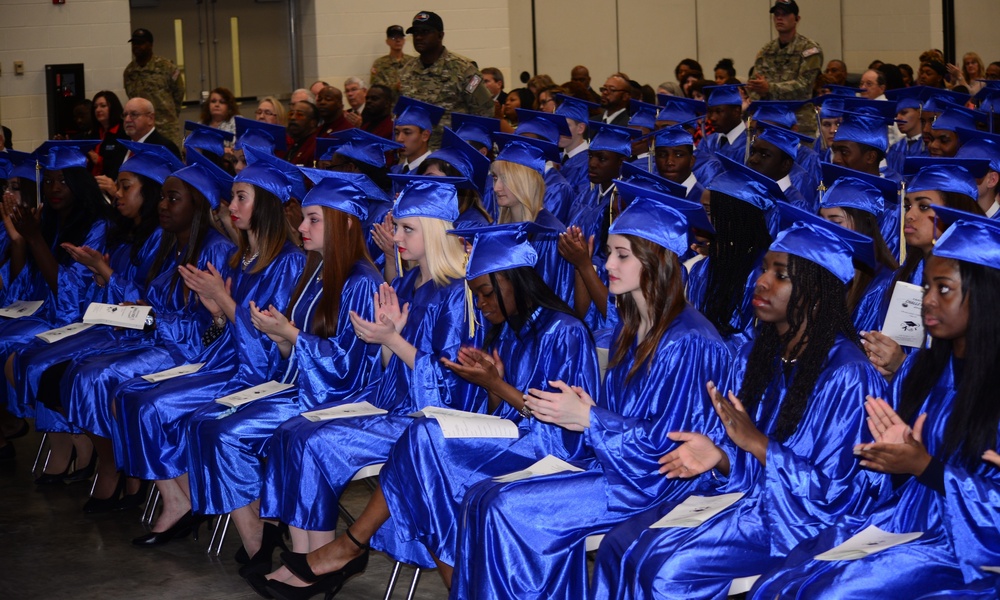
(359, 180)
(401, 180)
(866, 127)
(664, 220)
(724, 95)
(954, 116)
(746, 185)
(776, 112)
(847, 188)
(467, 160)
(575, 108)
(830, 106)
(150, 160)
(548, 126)
(970, 238)
(783, 139)
(206, 177)
(413, 112)
(939, 174)
(280, 177)
(356, 144)
(980, 144)
(22, 164)
(678, 109)
(209, 139)
(650, 181)
(612, 138)
(428, 198)
(842, 91)
(908, 97)
(338, 194)
(672, 135)
(499, 247)
(525, 151)
(826, 244)
(643, 114)
(474, 128)
(935, 100)
(258, 134)
(64, 154)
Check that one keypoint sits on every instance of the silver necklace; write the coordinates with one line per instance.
(246, 261)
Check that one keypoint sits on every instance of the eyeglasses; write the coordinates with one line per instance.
(546, 101)
(265, 113)
(611, 90)
(133, 115)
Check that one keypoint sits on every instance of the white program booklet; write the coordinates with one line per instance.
(353, 409)
(991, 569)
(131, 317)
(546, 466)
(61, 333)
(869, 541)
(21, 308)
(461, 424)
(903, 322)
(255, 393)
(175, 372)
(695, 510)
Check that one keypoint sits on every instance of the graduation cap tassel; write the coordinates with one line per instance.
(649, 154)
(470, 310)
(746, 151)
(819, 126)
(902, 218)
(399, 262)
(38, 180)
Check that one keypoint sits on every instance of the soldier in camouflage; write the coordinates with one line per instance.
(440, 77)
(157, 80)
(385, 69)
(786, 68)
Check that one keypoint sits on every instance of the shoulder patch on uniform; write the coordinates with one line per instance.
(175, 74)
(473, 83)
(810, 51)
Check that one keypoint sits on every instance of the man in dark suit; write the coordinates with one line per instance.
(139, 123)
(615, 94)
(493, 80)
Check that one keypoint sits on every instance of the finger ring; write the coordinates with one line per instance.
(361, 335)
(729, 422)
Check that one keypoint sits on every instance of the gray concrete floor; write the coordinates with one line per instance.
(50, 549)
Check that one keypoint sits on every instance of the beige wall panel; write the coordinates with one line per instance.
(733, 29)
(654, 36)
(976, 29)
(576, 32)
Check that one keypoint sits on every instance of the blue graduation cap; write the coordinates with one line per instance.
(938, 99)
(847, 188)
(467, 160)
(989, 99)
(785, 140)
(209, 139)
(401, 180)
(842, 91)
(679, 109)
(410, 111)
(664, 220)
(776, 112)
(474, 128)
(499, 247)
(55, 155)
(575, 108)
(206, 177)
(428, 198)
(970, 239)
(548, 126)
(525, 151)
(612, 138)
(280, 177)
(356, 144)
(830, 106)
(945, 174)
(6, 165)
(908, 97)
(338, 194)
(359, 180)
(954, 116)
(150, 160)
(724, 95)
(827, 244)
(979, 144)
(671, 136)
(866, 128)
(746, 185)
(650, 181)
(258, 134)
(643, 114)
(22, 164)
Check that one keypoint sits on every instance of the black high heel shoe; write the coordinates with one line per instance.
(85, 473)
(299, 566)
(261, 561)
(187, 524)
(130, 501)
(94, 506)
(51, 478)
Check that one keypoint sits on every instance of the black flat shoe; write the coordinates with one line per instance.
(184, 526)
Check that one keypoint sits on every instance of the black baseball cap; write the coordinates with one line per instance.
(141, 35)
(425, 19)
(788, 6)
(394, 31)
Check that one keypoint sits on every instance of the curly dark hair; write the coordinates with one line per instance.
(741, 239)
(975, 416)
(817, 309)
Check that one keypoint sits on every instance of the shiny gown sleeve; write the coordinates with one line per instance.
(971, 516)
(128, 281)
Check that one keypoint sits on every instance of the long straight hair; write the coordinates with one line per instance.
(865, 223)
(444, 254)
(343, 246)
(525, 184)
(269, 223)
(662, 287)
(200, 224)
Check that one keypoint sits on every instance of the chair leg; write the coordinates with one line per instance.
(413, 584)
(215, 544)
(346, 515)
(392, 580)
(151, 501)
(97, 473)
(38, 455)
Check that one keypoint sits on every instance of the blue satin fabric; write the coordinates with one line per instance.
(807, 180)
(705, 169)
(426, 475)
(225, 454)
(506, 551)
(892, 215)
(795, 198)
(809, 481)
(867, 312)
(471, 218)
(897, 154)
(961, 529)
(697, 190)
(153, 417)
(558, 194)
(555, 270)
(574, 171)
(743, 320)
(310, 464)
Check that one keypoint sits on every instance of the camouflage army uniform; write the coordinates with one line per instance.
(791, 73)
(162, 83)
(385, 71)
(453, 82)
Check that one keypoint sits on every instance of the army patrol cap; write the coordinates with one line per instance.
(394, 31)
(787, 6)
(141, 35)
(425, 19)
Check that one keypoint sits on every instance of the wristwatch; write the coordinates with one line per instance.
(525, 411)
(219, 321)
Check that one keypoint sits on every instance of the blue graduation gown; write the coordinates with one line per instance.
(152, 417)
(87, 386)
(897, 154)
(507, 552)
(559, 194)
(574, 171)
(866, 314)
(961, 531)
(805, 183)
(225, 453)
(807, 484)
(743, 320)
(310, 464)
(426, 475)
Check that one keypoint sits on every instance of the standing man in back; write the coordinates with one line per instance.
(786, 68)
(385, 69)
(157, 80)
